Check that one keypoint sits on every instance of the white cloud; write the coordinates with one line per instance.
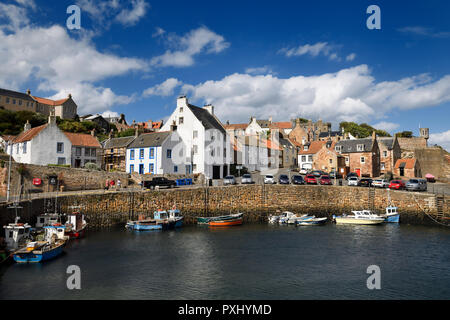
(424, 31)
(159, 32)
(132, 16)
(110, 114)
(386, 126)
(259, 70)
(163, 89)
(442, 139)
(351, 94)
(201, 40)
(27, 3)
(350, 57)
(15, 16)
(314, 50)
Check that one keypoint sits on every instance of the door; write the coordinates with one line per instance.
(77, 163)
(358, 172)
(141, 169)
(216, 172)
(402, 172)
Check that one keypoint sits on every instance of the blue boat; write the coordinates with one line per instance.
(144, 225)
(392, 215)
(39, 251)
(311, 221)
(175, 215)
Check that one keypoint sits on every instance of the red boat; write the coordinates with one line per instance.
(75, 225)
(225, 223)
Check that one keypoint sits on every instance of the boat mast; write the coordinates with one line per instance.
(9, 172)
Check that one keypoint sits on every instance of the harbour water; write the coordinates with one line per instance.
(252, 261)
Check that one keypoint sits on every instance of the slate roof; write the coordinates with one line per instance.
(350, 146)
(122, 142)
(332, 134)
(206, 118)
(15, 94)
(387, 141)
(152, 139)
(263, 123)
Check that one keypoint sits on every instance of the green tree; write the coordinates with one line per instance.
(404, 134)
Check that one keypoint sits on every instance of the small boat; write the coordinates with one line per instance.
(176, 216)
(285, 216)
(225, 223)
(295, 218)
(47, 219)
(144, 225)
(39, 251)
(75, 225)
(365, 217)
(392, 215)
(206, 220)
(273, 219)
(311, 221)
(17, 235)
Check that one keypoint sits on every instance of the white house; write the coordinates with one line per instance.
(207, 144)
(157, 153)
(42, 145)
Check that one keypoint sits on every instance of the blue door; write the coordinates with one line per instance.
(141, 169)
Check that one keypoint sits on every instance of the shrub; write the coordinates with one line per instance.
(91, 166)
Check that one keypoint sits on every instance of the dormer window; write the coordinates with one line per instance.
(360, 147)
(338, 148)
(305, 148)
(181, 109)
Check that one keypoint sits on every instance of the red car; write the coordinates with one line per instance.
(310, 179)
(397, 185)
(325, 180)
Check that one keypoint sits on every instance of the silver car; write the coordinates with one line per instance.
(246, 179)
(229, 180)
(353, 181)
(380, 183)
(416, 185)
(269, 179)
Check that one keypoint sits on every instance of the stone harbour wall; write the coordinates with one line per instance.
(255, 201)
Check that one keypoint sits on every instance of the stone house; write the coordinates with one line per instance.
(362, 156)
(208, 146)
(157, 153)
(307, 153)
(99, 120)
(85, 149)
(64, 108)
(327, 159)
(407, 168)
(390, 152)
(114, 153)
(16, 101)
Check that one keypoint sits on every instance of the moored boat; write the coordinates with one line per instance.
(75, 225)
(363, 217)
(144, 225)
(392, 215)
(176, 216)
(311, 221)
(225, 223)
(206, 220)
(39, 251)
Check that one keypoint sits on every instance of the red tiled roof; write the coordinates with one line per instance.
(50, 102)
(235, 126)
(314, 147)
(8, 137)
(281, 125)
(157, 125)
(272, 145)
(30, 134)
(409, 163)
(82, 140)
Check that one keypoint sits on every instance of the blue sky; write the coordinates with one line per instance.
(263, 58)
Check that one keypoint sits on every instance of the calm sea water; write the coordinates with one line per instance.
(246, 262)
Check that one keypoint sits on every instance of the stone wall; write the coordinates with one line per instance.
(412, 143)
(256, 201)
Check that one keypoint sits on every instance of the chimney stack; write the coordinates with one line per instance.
(374, 135)
(270, 119)
(110, 134)
(93, 132)
(210, 108)
(29, 92)
(27, 126)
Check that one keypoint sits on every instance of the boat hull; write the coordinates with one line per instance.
(343, 220)
(33, 257)
(76, 234)
(225, 223)
(393, 218)
(312, 222)
(206, 220)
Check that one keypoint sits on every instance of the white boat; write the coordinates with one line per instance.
(365, 217)
(285, 216)
(392, 215)
(311, 221)
(273, 219)
(47, 219)
(295, 219)
(17, 235)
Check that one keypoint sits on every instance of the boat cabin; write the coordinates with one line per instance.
(365, 214)
(47, 219)
(75, 220)
(16, 235)
(55, 233)
(175, 213)
(391, 211)
(161, 215)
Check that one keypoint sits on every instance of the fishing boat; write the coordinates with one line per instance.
(225, 223)
(162, 217)
(75, 225)
(39, 251)
(392, 215)
(365, 217)
(206, 220)
(144, 225)
(47, 219)
(311, 221)
(293, 219)
(285, 216)
(176, 216)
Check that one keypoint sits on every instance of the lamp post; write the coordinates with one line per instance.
(9, 173)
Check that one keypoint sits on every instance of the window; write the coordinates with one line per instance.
(131, 154)
(383, 166)
(194, 167)
(24, 147)
(360, 147)
(151, 168)
(331, 161)
(181, 120)
(310, 158)
(61, 160)
(175, 169)
(141, 153)
(347, 159)
(181, 109)
(152, 153)
(87, 152)
(78, 151)
(385, 154)
(195, 149)
(60, 147)
(305, 148)
(14, 101)
(212, 152)
(169, 153)
(303, 158)
(363, 160)
(93, 152)
(20, 102)
(195, 134)
(7, 100)
(338, 148)
(132, 166)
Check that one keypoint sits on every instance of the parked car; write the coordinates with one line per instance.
(269, 179)
(229, 180)
(416, 185)
(397, 185)
(159, 182)
(325, 180)
(365, 182)
(353, 181)
(351, 174)
(380, 183)
(334, 174)
(297, 179)
(303, 171)
(283, 179)
(319, 173)
(310, 179)
(246, 179)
